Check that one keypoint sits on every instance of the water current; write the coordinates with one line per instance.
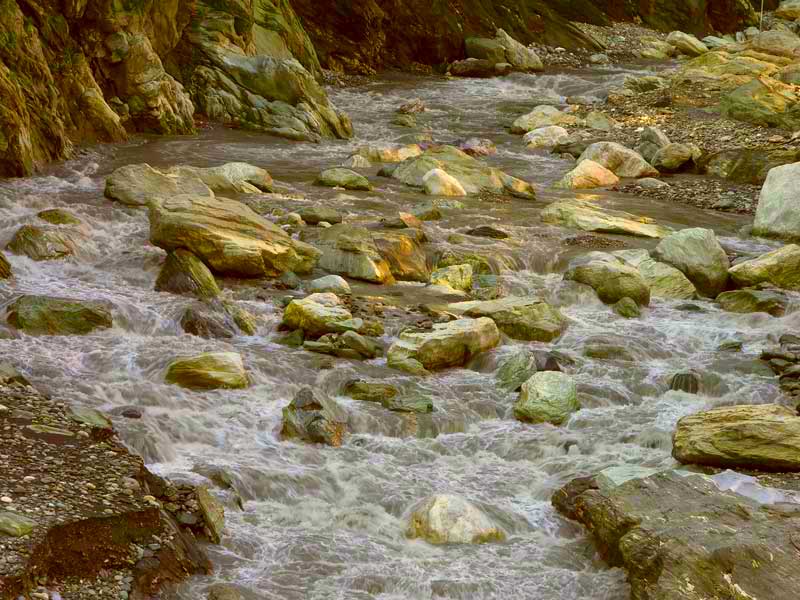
(328, 523)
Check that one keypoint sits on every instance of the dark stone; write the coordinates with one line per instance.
(5, 267)
(312, 418)
(488, 232)
(204, 322)
(687, 382)
(576, 147)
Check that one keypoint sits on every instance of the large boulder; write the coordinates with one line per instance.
(749, 301)
(209, 371)
(314, 418)
(404, 253)
(588, 175)
(437, 182)
(610, 277)
(665, 281)
(748, 165)
(319, 314)
(587, 216)
(529, 319)
(687, 43)
(184, 273)
(778, 212)
(780, 268)
(547, 397)
(217, 320)
(622, 161)
(697, 253)
(228, 237)
(445, 345)
(351, 251)
(39, 243)
(343, 178)
(448, 519)
(45, 315)
(516, 370)
(474, 176)
(764, 437)
(542, 116)
(651, 141)
(545, 137)
(504, 49)
(763, 101)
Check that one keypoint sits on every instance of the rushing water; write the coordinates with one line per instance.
(323, 523)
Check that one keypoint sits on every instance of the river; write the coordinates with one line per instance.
(328, 523)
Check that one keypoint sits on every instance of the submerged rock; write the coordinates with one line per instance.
(547, 397)
(42, 244)
(778, 212)
(588, 216)
(209, 371)
(750, 301)
(697, 253)
(58, 216)
(529, 319)
(344, 178)
(610, 277)
(448, 519)
(313, 418)
(627, 308)
(764, 437)
(184, 273)
(780, 268)
(687, 382)
(346, 345)
(46, 315)
(446, 345)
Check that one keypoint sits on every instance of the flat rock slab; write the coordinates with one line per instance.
(680, 538)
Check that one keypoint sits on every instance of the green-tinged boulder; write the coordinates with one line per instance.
(448, 519)
(542, 116)
(209, 371)
(343, 178)
(404, 253)
(765, 437)
(651, 141)
(473, 175)
(458, 277)
(389, 153)
(780, 268)
(437, 182)
(349, 345)
(228, 237)
(665, 281)
(747, 165)
(547, 397)
(610, 277)
(445, 345)
(529, 319)
(5, 267)
(697, 253)
(213, 514)
(15, 525)
(503, 49)
(313, 418)
(516, 370)
(319, 314)
(389, 397)
(314, 215)
(91, 417)
(587, 175)
(43, 244)
(763, 101)
(45, 315)
(184, 273)
(330, 283)
(618, 159)
(58, 216)
(627, 308)
(750, 301)
(351, 251)
(778, 212)
(675, 157)
(687, 43)
(587, 216)
(545, 137)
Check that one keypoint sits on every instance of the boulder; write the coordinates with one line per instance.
(389, 153)
(765, 437)
(437, 182)
(403, 252)
(343, 178)
(600, 121)
(687, 43)
(542, 116)
(504, 49)
(588, 175)
(41, 244)
(475, 67)
(474, 176)
(610, 277)
(46, 315)
(15, 525)
(750, 301)
(228, 237)
(748, 165)
(58, 216)
(313, 418)
(697, 253)
(545, 137)
(763, 101)
(587, 216)
(184, 273)
(780, 268)
(446, 345)
(351, 250)
(789, 10)
(478, 147)
(777, 43)
(547, 397)
(215, 320)
(5, 267)
(208, 371)
(651, 141)
(348, 345)
(448, 519)
(627, 308)
(516, 370)
(674, 157)
(319, 314)
(356, 162)
(778, 212)
(622, 161)
(314, 215)
(458, 277)
(528, 319)
(665, 281)
(330, 283)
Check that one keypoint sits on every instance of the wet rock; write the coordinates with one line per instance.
(414, 106)
(779, 205)
(208, 371)
(516, 370)
(356, 162)
(671, 531)
(351, 250)
(587, 175)
(368, 391)
(627, 308)
(58, 216)
(750, 301)
(780, 268)
(445, 345)
(587, 216)
(487, 231)
(41, 244)
(437, 182)
(46, 315)
(343, 178)
(213, 514)
(610, 277)
(697, 253)
(184, 273)
(448, 519)
(330, 283)
(665, 281)
(210, 322)
(409, 121)
(228, 237)
(346, 345)
(457, 277)
(504, 49)
(314, 215)
(687, 382)
(224, 591)
(764, 437)
(312, 418)
(546, 137)
(91, 417)
(389, 153)
(474, 67)
(403, 220)
(319, 314)
(5, 267)
(542, 116)
(651, 141)
(529, 319)
(674, 157)
(547, 397)
(478, 147)
(622, 161)
(9, 375)
(404, 254)
(686, 43)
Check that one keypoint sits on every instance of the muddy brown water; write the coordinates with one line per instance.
(322, 523)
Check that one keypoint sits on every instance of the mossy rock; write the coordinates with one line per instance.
(184, 273)
(5, 267)
(209, 371)
(59, 216)
(45, 315)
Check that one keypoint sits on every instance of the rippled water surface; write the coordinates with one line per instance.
(322, 523)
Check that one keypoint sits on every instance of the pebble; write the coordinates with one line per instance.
(6, 499)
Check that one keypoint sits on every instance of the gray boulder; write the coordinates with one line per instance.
(697, 253)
